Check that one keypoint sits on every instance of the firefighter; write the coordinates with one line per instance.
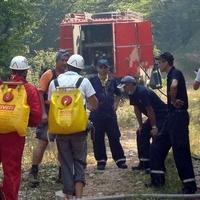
(105, 119)
(175, 132)
(196, 83)
(73, 148)
(146, 102)
(11, 144)
(62, 56)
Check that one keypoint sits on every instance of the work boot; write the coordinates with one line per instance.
(189, 188)
(33, 176)
(101, 166)
(188, 191)
(140, 166)
(152, 185)
(155, 183)
(157, 180)
(122, 165)
(147, 171)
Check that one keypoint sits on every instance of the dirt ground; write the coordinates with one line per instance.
(112, 181)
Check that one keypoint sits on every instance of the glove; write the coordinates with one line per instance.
(154, 131)
(91, 130)
(139, 130)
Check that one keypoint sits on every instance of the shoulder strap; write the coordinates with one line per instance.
(54, 77)
(54, 73)
(56, 83)
(78, 83)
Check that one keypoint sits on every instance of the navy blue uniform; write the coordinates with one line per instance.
(174, 134)
(143, 98)
(105, 121)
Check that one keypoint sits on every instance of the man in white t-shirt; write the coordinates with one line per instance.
(196, 83)
(73, 148)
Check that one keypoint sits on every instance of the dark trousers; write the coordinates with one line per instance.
(143, 142)
(72, 154)
(109, 127)
(174, 134)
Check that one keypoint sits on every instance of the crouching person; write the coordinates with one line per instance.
(72, 145)
(146, 102)
(19, 101)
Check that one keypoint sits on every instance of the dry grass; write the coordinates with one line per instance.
(194, 111)
(127, 120)
(134, 182)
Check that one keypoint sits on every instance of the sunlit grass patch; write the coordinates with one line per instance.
(194, 111)
(135, 180)
(50, 155)
(126, 116)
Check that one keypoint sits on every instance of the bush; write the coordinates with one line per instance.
(41, 60)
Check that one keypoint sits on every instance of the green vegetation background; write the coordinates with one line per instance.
(31, 28)
(28, 26)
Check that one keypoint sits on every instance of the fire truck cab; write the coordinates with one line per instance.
(124, 38)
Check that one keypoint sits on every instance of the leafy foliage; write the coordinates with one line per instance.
(51, 13)
(40, 62)
(175, 22)
(28, 25)
(16, 24)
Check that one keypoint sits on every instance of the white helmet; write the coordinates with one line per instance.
(19, 63)
(76, 61)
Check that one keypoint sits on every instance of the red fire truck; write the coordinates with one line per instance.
(124, 38)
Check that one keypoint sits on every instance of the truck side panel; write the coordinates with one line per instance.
(146, 44)
(125, 39)
(66, 38)
(126, 48)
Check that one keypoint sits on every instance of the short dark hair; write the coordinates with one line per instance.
(167, 57)
(19, 72)
(74, 69)
(61, 53)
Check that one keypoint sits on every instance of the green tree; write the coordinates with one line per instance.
(40, 62)
(175, 22)
(29, 25)
(51, 13)
(16, 23)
